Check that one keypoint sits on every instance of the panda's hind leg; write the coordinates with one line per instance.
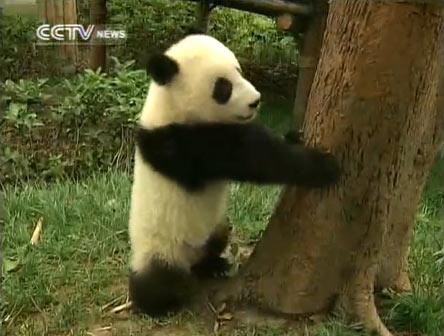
(161, 288)
(211, 264)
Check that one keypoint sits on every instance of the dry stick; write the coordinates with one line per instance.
(98, 330)
(216, 327)
(112, 302)
(210, 305)
(122, 307)
(15, 316)
(37, 232)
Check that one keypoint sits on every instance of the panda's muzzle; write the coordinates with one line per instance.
(247, 117)
(255, 104)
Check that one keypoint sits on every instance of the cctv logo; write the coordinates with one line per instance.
(75, 32)
(57, 32)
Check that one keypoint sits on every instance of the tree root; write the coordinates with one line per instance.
(224, 291)
(360, 307)
(402, 284)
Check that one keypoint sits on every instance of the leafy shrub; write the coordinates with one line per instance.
(19, 58)
(268, 56)
(24, 95)
(150, 25)
(70, 127)
(253, 37)
(96, 98)
(155, 24)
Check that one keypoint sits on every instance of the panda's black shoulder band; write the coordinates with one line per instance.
(195, 154)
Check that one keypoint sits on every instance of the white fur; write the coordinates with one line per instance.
(168, 221)
(188, 98)
(165, 219)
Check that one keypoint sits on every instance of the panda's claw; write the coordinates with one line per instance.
(324, 169)
(294, 137)
(212, 267)
(221, 267)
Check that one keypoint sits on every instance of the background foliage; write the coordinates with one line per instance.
(152, 26)
(57, 123)
(62, 128)
(68, 128)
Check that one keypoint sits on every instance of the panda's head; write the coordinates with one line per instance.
(201, 80)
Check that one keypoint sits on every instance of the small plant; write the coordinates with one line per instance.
(88, 123)
(24, 91)
(19, 115)
(19, 58)
(97, 98)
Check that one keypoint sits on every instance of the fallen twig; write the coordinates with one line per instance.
(112, 302)
(122, 307)
(37, 232)
(98, 330)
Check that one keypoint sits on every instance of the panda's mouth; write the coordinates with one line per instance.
(246, 118)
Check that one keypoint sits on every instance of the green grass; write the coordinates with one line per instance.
(423, 310)
(82, 254)
(249, 203)
(336, 328)
(58, 286)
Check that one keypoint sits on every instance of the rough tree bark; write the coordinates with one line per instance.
(265, 7)
(202, 15)
(374, 105)
(98, 18)
(311, 43)
(60, 12)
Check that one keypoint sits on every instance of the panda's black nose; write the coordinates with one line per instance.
(255, 103)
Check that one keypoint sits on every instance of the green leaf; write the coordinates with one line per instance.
(11, 265)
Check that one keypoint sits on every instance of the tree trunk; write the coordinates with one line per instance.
(393, 270)
(202, 15)
(98, 50)
(373, 103)
(308, 60)
(60, 12)
(266, 7)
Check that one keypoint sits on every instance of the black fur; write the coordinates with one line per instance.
(162, 68)
(162, 289)
(193, 30)
(254, 104)
(295, 137)
(222, 90)
(193, 154)
(211, 267)
(212, 264)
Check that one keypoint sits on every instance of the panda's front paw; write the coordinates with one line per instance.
(294, 137)
(220, 268)
(212, 267)
(324, 169)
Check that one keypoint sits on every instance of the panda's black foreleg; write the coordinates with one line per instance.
(212, 264)
(295, 137)
(195, 154)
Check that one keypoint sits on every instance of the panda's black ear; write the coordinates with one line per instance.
(194, 30)
(162, 68)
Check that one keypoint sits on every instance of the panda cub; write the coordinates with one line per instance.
(195, 135)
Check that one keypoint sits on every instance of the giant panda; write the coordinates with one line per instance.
(195, 135)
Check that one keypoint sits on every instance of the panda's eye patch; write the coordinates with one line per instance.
(222, 90)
